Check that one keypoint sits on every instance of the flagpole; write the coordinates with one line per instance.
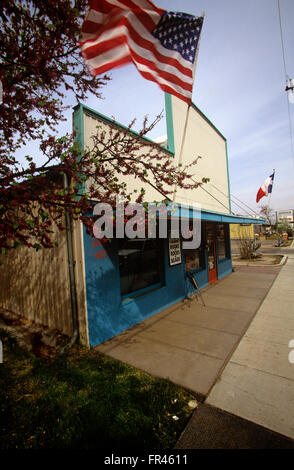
(269, 199)
(189, 105)
(197, 49)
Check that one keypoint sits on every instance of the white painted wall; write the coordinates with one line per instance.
(90, 123)
(201, 139)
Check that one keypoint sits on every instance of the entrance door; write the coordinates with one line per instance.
(211, 253)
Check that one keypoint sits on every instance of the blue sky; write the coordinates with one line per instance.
(239, 86)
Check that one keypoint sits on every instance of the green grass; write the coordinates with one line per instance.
(85, 400)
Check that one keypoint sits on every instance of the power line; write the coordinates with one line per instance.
(290, 128)
(200, 186)
(287, 78)
(282, 41)
(255, 213)
(232, 196)
(224, 204)
(226, 195)
(242, 208)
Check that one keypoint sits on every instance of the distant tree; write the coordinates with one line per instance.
(40, 64)
(284, 227)
(266, 212)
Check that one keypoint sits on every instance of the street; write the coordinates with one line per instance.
(267, 247)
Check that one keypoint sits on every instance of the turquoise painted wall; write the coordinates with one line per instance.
(108, 314)
(201, 278)
(224, 266)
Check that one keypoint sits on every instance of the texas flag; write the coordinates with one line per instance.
(266, 187)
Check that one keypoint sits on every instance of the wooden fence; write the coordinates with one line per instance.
(35, 284)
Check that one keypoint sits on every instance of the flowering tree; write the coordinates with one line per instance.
(40, 64)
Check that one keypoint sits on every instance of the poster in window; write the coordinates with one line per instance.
(174, 249)
(192, 258)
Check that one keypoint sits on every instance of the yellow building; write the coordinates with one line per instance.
(241, 231)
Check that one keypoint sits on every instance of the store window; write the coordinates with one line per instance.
(193, 259)
(140, 264)
(222, 244)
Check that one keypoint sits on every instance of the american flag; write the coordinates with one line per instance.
(161, 44)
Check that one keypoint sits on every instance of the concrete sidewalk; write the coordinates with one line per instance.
(233, 354)
(190, 344)
(258, 382)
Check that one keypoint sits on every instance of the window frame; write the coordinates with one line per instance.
(136, 293)
(201, 261)
(226, 242)
(202, 257)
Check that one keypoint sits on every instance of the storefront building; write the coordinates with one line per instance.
(285, 216)
(129, 280)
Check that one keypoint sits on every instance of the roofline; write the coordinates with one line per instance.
(108, 120)
(208, 121)
(230, 218)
